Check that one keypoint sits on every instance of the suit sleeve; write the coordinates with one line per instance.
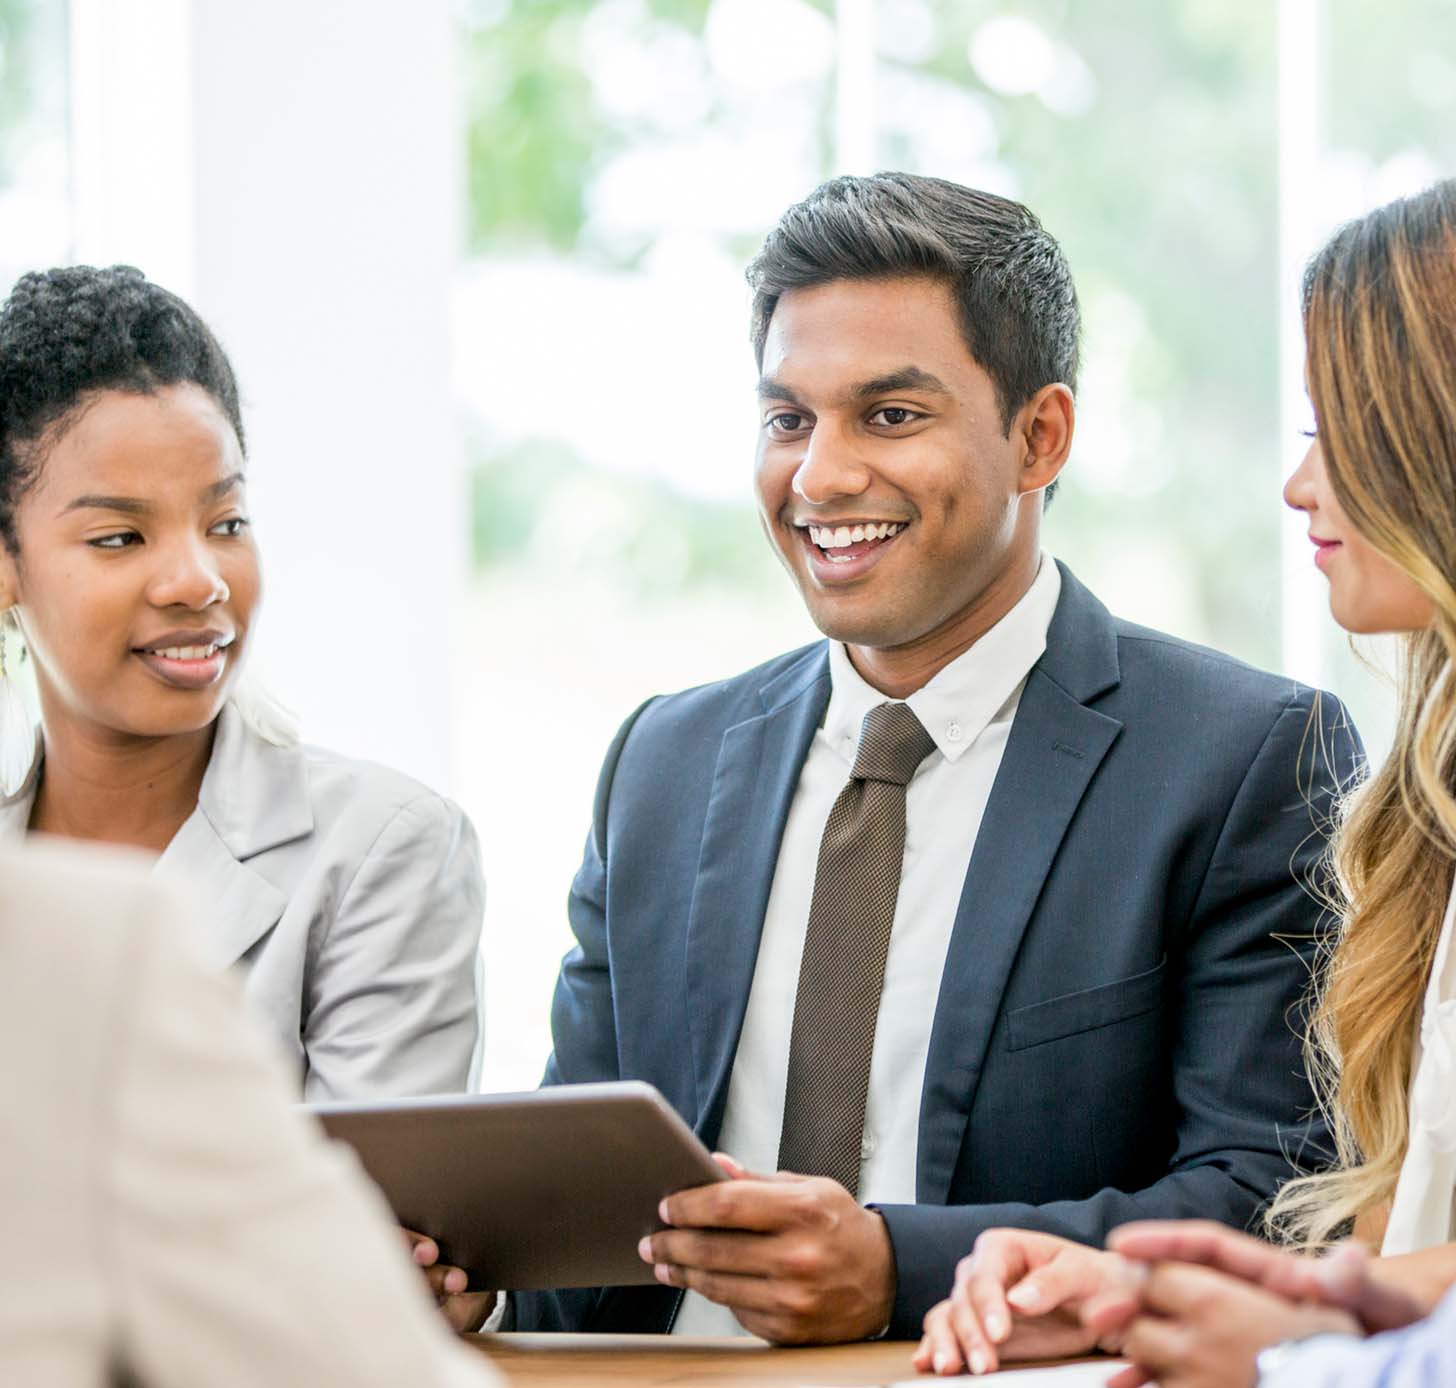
(240, 1247)
(392, 1004)
(583, 1024)
(1241, 968)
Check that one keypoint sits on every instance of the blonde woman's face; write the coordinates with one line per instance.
(1368, 593)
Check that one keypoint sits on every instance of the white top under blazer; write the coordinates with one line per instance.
(1422, 1214)
(350, 895)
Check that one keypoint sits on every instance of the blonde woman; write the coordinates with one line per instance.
(1379, 487)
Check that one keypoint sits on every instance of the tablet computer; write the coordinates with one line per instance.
(552, 1188)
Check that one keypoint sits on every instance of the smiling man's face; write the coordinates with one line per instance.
(884, 477)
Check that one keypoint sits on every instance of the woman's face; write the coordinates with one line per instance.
(1368, 593)
(136, 577)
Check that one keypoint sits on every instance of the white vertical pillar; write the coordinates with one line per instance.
(293, 168)
(855, 116)
(1304, 597)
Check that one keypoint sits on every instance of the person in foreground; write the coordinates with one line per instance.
(1379, 488)
(198, 1230)
(129, 575)
(1085, 835)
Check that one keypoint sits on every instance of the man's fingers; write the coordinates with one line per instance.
(753, 1203)
(714, 1251)
(726, 1288)
(446, 1281)
(467, 1313)
(423, 1249)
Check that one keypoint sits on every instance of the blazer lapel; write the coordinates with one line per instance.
(1054, 749)
(758, 768)
(242, 905)
(254, 797)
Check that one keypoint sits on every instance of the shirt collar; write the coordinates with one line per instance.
(964, 698)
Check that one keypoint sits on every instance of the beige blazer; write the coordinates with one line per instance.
(169, 1219)
(352, 897)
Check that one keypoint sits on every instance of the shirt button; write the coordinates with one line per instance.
(954, 732)
(867, 1146)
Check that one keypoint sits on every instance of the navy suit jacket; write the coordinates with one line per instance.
(1117, 1029)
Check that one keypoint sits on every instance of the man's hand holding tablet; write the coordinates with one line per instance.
(796, 1258)
(463, 1309)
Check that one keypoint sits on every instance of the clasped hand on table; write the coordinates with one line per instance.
(1190, 1303)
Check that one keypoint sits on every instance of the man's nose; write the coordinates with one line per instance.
(832, 467)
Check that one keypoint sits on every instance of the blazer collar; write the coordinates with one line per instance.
(1081, 648)
(255, 793)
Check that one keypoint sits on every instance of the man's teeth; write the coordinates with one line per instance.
(187, 652)
(837, 537)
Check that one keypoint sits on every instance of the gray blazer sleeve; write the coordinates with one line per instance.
(391, 1003)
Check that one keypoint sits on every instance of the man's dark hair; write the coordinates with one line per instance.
(1018, 307)
(67, 333)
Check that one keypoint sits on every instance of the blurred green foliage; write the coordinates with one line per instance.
(21, 23)
(1162, 186)
(538, 505)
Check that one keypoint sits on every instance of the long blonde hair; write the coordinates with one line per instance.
(1380, 321)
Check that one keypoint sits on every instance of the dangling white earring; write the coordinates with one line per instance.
(17, 735)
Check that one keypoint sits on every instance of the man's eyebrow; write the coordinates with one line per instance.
(906, 378)
(771, 389)
(135, 506)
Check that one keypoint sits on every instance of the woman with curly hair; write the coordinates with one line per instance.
(1197, 1305)
(130, 578)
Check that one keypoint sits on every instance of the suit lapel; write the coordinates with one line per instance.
(1054, 749)
(254, 797)
(757, 772)
(242, 906)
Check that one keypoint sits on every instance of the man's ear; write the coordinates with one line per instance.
(1046, 423)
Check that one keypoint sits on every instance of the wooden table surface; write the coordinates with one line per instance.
(652, 1361)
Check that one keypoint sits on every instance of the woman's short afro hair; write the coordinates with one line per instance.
(68, 333)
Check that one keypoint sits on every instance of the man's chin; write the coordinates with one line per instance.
(877, 630)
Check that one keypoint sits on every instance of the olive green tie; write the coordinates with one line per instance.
(842, 973)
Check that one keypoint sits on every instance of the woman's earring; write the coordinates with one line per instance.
(17, 735)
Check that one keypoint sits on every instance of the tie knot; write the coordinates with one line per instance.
(892, 743)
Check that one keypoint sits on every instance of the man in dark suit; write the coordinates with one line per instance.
(992, 908)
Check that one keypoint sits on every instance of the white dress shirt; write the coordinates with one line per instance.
(967, 709)
(1421, 1214)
